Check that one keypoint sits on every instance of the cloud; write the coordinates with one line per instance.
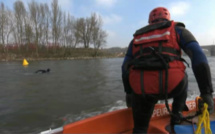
(115, 39)
(111, 34)
(179, 8)
(206, 37)
(112, 19)
(106, 3)
(66, 5)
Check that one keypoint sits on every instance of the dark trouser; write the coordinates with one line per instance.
(143, 106)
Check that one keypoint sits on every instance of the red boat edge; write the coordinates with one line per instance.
(121, 121)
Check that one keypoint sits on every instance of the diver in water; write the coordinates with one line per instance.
(43, 71)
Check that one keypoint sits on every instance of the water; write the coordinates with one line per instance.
(73, 90)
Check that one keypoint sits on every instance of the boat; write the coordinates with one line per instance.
(120, 121)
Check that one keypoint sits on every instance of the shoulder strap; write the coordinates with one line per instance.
(164, 49)
(180, 24)
(149, 28)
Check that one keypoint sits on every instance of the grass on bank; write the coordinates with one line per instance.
(53, 53)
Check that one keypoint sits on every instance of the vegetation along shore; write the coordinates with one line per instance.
(41, 31)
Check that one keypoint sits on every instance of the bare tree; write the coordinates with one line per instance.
(29, 35)
(70, 24)
(44, 23)
(85, 29)
(20, 13)
(98, 35)
(88, 32)
(99, 38)
(56, 19)
(3, 23)
(5, 28)
(34, 15)
(79, 29)
(82, 32)
(10, 26)
(65, 30)
(68, 31)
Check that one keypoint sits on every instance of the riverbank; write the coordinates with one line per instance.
(60, 54)
(65, 58)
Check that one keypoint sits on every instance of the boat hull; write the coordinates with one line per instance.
(121, 121)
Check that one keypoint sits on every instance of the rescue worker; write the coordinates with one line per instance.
(153, 68)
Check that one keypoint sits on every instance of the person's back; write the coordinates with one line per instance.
(159, 47)
(153, 68)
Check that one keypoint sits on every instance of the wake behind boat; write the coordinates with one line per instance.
(121, 121)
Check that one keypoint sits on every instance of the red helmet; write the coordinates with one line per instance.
(159, 13)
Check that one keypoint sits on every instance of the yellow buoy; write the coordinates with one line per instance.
(25, 62)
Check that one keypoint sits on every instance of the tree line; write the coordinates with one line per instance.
(40, 25)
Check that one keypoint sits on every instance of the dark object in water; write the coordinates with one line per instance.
(43, 71)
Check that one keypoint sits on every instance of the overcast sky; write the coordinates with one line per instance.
(121, 18)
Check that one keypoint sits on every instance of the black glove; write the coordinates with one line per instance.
(208, 98)
(128, 99)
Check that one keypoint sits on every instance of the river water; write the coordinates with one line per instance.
(73, 90)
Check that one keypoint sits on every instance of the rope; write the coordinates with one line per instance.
(204, 121)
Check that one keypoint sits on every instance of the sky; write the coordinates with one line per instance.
(121, 18)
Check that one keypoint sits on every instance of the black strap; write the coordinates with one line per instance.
(149, 62)
(155, 26)
(142, 75)
(141, 82)
(182, 59)
(169, 58)
(164, 49)
(160, 72)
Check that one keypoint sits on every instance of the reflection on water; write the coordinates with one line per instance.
(73, 90)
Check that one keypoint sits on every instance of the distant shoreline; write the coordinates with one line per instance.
(65, 58)
(62, 54)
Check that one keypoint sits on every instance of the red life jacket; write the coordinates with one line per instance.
(151, 46)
